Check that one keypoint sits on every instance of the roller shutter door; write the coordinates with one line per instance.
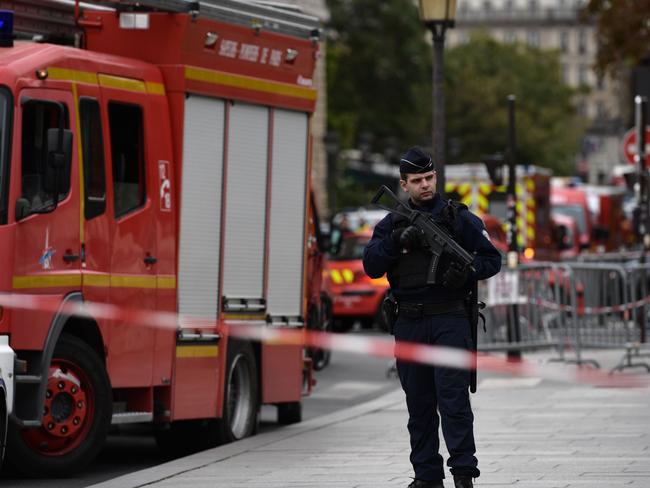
(287, 224)
(245, 202)
(200, 222)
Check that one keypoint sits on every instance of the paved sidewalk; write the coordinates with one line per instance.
(530, 433)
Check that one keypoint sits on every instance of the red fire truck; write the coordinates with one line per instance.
(161, 165)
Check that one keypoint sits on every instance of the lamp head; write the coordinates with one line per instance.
(438, 11)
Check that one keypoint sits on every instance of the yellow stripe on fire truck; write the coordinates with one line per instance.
(107, 81)
(248, 82)
(202, 351)
(95, 280)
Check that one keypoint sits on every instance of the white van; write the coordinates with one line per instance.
(6, 389)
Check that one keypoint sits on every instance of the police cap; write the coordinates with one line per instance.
(415, 161)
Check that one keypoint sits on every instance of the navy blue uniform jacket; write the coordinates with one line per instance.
(381, 254)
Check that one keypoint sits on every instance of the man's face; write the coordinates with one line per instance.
(421, 187)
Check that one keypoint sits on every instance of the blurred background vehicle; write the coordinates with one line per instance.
(572, 202)
(355, 296)
(566, 235)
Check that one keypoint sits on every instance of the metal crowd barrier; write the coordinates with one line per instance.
(521, 312)
(570, 307)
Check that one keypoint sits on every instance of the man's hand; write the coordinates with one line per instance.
(456, 276)
(411, 238)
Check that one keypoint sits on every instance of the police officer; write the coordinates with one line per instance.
(433, 314)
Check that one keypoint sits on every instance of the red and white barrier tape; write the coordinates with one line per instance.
(375, 346)
(624, 307)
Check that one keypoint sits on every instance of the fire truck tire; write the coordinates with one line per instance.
(289, 413)
(77, 415)
(241, 393)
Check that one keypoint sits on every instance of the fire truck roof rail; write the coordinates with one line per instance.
(53, 20)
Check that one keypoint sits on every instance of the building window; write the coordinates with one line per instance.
(582, 42)
(564, 41)
(510, 37)
(532, 5)
(583, 75)
(582, 109)
(565, 73)
(508, 5)
(601, 110)
(533, 38)
(487, 5)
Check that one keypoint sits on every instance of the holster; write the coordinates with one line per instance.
(388, 313)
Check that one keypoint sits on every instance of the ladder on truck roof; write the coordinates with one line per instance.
(56, 20)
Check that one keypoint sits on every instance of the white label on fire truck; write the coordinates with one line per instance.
(134, 20)
(503, 289)
(165, 186)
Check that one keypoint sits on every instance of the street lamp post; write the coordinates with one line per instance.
(438, 16)
(332, 147)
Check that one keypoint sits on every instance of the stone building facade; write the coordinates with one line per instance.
(556, 25)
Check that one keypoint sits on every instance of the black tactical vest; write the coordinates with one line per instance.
(411, 269)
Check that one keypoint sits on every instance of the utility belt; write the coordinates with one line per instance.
(418, 310)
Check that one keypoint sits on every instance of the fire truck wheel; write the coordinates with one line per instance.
(289, 413)
(76, 418)
(240, 406)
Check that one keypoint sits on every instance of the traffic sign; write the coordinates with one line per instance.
(630, 146)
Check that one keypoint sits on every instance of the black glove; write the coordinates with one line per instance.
(396, 235)
(455, 276)
(411, 238)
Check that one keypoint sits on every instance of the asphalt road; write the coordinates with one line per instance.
(350, 379)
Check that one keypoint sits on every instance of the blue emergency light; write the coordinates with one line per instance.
(6, 28)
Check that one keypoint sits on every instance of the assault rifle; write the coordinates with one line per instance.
(436, 239)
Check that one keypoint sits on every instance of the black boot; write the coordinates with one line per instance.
(463, 482)
(426, 484)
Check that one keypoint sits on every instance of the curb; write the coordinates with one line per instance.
(202, 459)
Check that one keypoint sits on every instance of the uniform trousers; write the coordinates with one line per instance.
(431, 390)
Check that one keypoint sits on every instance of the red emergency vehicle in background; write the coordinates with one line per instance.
(572, 202)
(598, 212)
(567, 236)
(612, 228)
(355, 296)
(162, 166)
